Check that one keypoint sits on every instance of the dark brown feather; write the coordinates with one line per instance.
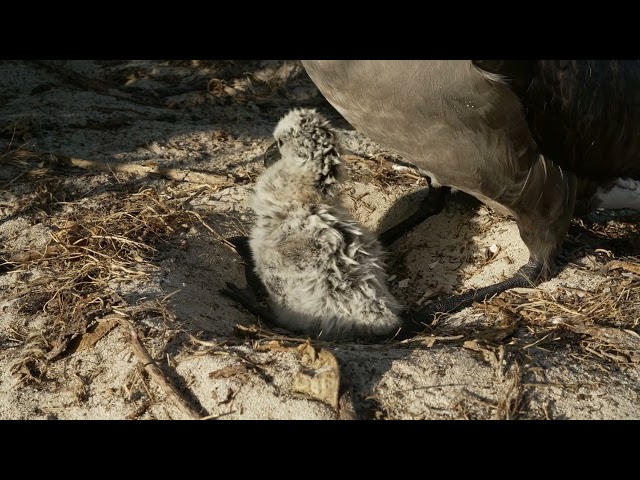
(584, 114)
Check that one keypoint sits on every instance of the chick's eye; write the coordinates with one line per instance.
(280, 142)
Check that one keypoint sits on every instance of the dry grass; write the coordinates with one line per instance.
(601, 323)
(95, 244)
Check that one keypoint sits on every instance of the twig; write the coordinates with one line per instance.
(177, 174)
(206, 225)
(154, 371)
(192, 196)
(628, 266)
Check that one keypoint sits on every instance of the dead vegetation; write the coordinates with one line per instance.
(95, 244)
(68, 291)
(99, 241)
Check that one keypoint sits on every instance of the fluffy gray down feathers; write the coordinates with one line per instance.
(323, 271)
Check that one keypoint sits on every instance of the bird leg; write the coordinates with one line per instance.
(254, 296)
(257, 290)
(542, 202)
(245, 297)
(431, 205)
(415, 322)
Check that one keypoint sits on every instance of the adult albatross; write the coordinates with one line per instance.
(538, 140)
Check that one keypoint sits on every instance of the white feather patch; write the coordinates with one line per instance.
(625, 193)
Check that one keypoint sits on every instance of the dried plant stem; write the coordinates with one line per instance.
(154, 371)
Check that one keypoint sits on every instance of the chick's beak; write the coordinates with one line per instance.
(271, 155)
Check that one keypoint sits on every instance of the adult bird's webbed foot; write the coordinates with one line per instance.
(527, 276)
(431, 205)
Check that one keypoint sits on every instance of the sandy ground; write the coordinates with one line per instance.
(110, 275)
